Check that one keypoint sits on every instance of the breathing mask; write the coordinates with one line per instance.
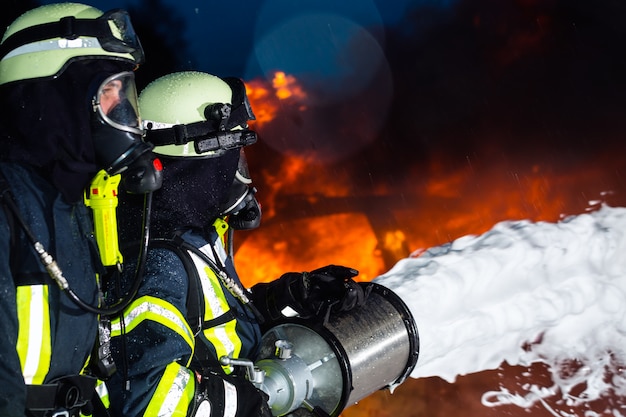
(242, 207)
(117, 135)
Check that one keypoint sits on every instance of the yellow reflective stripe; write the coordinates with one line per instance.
(103, 393)
(34, 345)
(157, 310)
(173, 394)
(224, 337)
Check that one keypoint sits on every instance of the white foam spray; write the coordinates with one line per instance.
(524, 293)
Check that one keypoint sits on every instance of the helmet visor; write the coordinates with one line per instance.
(116, 102)
(121, 37)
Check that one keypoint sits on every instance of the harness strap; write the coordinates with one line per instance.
(224, 318)
(195, 301)
(5, 194)
(67, 393)
(203, 356)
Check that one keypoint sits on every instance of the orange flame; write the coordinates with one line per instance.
(265, 97)
(331, 224)
(311, 218)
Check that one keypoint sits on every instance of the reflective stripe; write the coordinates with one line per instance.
(230, 399)
(103, 393)
(54, 45)
(156, 310)
(34, 345)
(174, 393)
(224, 337)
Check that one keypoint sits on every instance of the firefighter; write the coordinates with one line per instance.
(191, 308)
(68, 100)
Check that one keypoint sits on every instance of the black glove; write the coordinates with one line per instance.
(315, 293)
(218, 392)
(331, 286)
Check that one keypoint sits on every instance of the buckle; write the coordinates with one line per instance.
(66, 28)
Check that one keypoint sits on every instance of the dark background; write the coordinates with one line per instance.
(534, 76)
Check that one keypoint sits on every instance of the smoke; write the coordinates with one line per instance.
(522, 81)
(540, 80)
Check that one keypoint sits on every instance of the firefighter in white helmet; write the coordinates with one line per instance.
(191, 308)
(69, 110)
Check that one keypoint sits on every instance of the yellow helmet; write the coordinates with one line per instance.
(42, 42)
(195, 114)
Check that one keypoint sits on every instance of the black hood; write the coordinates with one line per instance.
(193, 191)
(46, 124)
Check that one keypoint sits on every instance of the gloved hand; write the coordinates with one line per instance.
(217, 393)
(331, 286)
(315, 293)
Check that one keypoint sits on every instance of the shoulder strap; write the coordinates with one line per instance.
(195, 302)
(204, 353)
(5, 195)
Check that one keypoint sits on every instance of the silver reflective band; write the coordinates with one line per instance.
(204, 409)
(53, 45)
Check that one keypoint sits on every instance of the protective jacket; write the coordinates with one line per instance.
(187, 314)
(45, 336)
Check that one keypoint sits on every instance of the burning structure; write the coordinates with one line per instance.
(500, 111)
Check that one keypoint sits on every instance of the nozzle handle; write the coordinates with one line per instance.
(253, 373)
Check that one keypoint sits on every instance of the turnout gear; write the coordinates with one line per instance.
(218, 394)
(187, 314)
(53, 59)
(191, 308)
(45, 347)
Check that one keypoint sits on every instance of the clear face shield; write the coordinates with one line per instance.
(117, 134)
(116, 103)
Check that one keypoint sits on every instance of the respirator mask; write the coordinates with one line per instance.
(242, 207)
(117, 135)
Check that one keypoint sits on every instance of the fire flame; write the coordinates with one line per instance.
(265, 99)
(312, 217)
